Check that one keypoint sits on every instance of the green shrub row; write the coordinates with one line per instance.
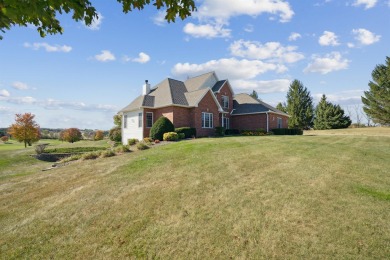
(74, 149)
(232, 132)
(189, 132)
(171, 136)
(287, 131)
(132, 141)
(219, 131)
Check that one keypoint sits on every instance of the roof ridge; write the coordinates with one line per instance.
(213, 71)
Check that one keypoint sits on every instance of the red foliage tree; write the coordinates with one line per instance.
(71, 135)
(99, 135)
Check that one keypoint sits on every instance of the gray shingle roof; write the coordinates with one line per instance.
(245, 104)
(206, 80)
(218, 85)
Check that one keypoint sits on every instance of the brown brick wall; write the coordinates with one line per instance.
(208, 105)
(225, 91)
(256, 121)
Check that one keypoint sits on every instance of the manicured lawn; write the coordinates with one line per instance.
(286, 197)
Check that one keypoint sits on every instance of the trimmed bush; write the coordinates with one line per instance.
(132, 141)
(219, 131)
(90, 156)
(232, 132)
(108, 153)
(189, 132)
(148, 140)
(156, 141)
(171, 136)
(181, 135)
(74, 149)
(257, 132)
(115, 134)
(122, 149)
(4, 138)
(160, 127)
(142, 146)
(287, 131)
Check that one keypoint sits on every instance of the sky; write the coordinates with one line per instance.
(83, 77)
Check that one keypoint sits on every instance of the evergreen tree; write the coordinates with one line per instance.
(254, 94)
(329, 116)
(299, 106)
(377, 100)
(282, 107)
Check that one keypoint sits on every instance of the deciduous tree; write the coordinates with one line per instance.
(43, 13)
(299, 106)
(377, 99)
(99, 135)
(71, 135)
(25, 129)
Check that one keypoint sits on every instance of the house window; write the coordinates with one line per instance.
(149, 119)
(139, 119)
(280, 122)
(225, 122)
(207, 120)
(125, 121)
(225, 101)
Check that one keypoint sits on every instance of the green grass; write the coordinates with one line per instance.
(285, 197)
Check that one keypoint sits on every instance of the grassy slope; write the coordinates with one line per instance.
(239, 197)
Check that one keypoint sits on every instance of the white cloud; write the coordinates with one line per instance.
(206, 30)
(142, 58)
(350, 45)
(294, 36)
(365, 37)
(96, 23)
(328, 39)
(348, 97)
(368, 3)
(4, 93)
(249, 28)
(330, 62)
(159, 19)
(105, 56)
(48, 47)
(231, 68)
(223, 10)
(267, 51)
(20, 85)
(262, 86)
(53, 104)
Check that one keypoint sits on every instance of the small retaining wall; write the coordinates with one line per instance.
(51, 157)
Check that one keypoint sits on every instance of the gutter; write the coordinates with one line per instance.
(267, 121)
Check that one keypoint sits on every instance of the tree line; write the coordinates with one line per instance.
(376, 104)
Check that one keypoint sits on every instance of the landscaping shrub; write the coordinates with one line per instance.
(171, 136)
(257, 132)
(74, 149)
(90, 155)
(4, 138)
(74, 157)
(148, 140)
(232, 132)
(142, 146)
(156, 141)
(181, 135)
(189, 132)
(219, 131)
(115, 134)
(132, 141)
(107, 153)
(160, 127)
(287, 131)
(122, 149)
(40, 148)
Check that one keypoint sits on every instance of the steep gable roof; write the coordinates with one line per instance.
(206, 80)
(245, 104)
(171, 92)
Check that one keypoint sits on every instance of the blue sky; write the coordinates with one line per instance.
(84, 76)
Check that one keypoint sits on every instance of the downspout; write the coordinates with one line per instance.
(267, 122)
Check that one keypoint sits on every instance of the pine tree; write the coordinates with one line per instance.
(254, 94)
(377, 100)
(299, 106)
(282, 107)
(329, 116)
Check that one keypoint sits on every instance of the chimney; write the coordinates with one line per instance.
(146, 88)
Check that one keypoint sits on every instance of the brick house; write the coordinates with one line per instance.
(203, 102)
